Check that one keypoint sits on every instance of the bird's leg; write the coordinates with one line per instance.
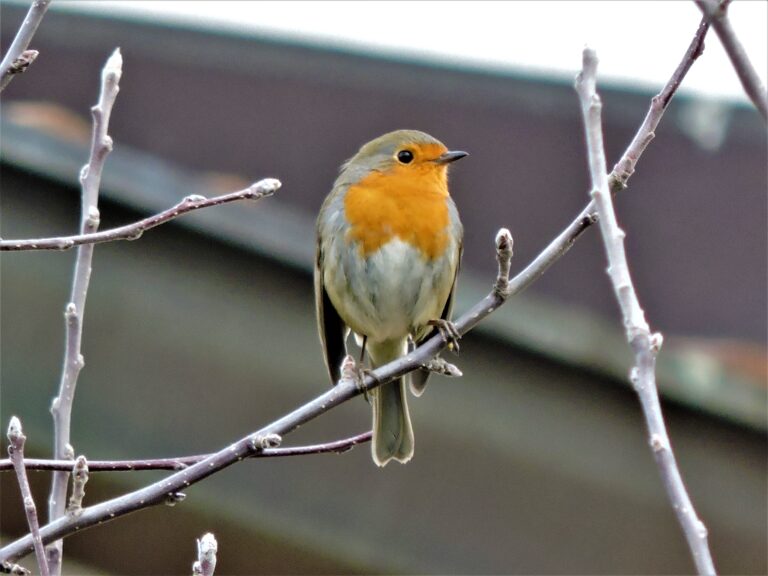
(362, 371)
(449, 332)
(351, 370)
(362, 349)
(367, 372)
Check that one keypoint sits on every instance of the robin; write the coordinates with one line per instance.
(389, 243)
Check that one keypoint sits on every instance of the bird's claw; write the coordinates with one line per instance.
(350, 370)
(449, 332)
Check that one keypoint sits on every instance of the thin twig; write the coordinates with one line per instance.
(90, 179)
(206, 556)
(16, 440)
(18, 58)
(625, 167)
(644, 344)
(181, 462)
(717, 13)
(256, 191)
(623, 170)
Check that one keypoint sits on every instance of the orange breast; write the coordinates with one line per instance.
(407, 202)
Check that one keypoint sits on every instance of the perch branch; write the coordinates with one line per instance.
(181, 462)
(717, 13)
(16, 441)
(17, 59)
(644, 344)
(90, 179)
(255, 191)
(344, 390)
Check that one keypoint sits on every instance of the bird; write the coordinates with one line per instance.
(389, 246)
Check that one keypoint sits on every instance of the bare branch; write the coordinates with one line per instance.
(18, 58)
(256, 191)
(181, 462)
(206, 556)
(717, 13)
(16, 440)
(90, 179)
(643, 343)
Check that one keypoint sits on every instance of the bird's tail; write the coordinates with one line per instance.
(392, 431)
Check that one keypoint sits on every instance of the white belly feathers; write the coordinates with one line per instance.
(395, 289)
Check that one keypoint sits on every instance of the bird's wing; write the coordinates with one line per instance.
(330, 325)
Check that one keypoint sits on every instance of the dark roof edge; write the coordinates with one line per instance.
(191, 43)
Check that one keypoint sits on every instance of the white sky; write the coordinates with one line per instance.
(637, 41)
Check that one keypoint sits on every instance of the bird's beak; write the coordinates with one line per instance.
(449, 157)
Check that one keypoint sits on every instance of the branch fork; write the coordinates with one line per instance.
(17, 59)
(717, 13)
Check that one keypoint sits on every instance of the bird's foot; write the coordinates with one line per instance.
(449, 332)
(350, 370)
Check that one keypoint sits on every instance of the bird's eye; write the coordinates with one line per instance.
(405, 156)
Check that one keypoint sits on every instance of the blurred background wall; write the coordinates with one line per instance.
(535, 461)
